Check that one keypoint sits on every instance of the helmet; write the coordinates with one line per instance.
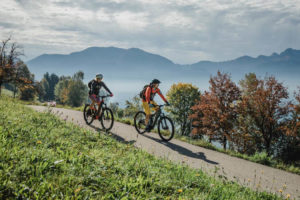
(99, 76)
(155, 81)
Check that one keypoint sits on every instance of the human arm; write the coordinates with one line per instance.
(106, 88)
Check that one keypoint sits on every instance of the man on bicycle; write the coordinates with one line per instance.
(148, 95)
(95, 85)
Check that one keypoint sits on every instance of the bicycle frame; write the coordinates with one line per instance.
(157, 115)
(101, 105)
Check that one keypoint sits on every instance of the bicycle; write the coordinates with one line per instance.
(105, 114)
(165, 125)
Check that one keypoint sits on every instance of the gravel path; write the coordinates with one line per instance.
(253, 175)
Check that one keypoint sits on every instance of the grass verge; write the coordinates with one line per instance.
(44, 157)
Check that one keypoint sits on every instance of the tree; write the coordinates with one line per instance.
(61, 90)
(182, 97)
(289, 144)
(249, 84)
(267, 106)
(22, 77)
(40, 90)
(71, 91)
(216, 112)
(132, 106)
(8, 61)
(25, 83)
(77, 93)
(49, 87)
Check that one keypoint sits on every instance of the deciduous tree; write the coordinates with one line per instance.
(182, 97)
(218, 110)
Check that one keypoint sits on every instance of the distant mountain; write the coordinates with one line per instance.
(127, 70)
(115, 62)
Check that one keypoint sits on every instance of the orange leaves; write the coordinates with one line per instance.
(216, 110)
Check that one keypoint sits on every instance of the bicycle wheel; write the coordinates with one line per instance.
(139, 122)
(165, 128)
(107, 119)
(88, 114)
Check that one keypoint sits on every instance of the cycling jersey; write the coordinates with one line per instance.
(150, 94)
(95, 87)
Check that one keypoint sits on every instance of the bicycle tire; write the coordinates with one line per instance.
(160, 131)
(105, 117)
(85, 110)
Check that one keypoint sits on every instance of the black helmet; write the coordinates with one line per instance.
(155, 81)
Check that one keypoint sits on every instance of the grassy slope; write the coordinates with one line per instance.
(42, 156)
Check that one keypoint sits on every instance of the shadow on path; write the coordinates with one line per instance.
(120, 139)
(183, 151)
(175, 147)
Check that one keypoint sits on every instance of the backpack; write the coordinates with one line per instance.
(142, 93)
(90, 86)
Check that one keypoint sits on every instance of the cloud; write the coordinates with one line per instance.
(185, 31)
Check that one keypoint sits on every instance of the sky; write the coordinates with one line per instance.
(184, 31)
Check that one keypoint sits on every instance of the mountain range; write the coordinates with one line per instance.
(134, 65)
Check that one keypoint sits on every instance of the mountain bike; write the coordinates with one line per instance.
(165, 125)
(105, 114)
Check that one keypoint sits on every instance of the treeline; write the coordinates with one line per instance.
(66, 90)
(16, 77)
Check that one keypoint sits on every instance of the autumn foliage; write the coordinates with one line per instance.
(217, 108)
(256, 117)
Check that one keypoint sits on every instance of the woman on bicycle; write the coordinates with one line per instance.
(95, 85)
(147, 99)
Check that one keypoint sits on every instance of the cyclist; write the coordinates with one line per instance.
(95, 85)
(147, 99)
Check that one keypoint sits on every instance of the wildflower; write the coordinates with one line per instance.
(180, 190)
(77, 190)
(288, 196)
(280, 190)
(39, 142)
(249, 180)
(197, 174)
(284, 186)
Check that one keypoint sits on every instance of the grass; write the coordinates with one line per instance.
(43, 157)
(7, 92)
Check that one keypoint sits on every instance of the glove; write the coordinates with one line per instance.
(167, 103)
(111, 95)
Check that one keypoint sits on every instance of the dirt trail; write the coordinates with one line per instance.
(253, 175)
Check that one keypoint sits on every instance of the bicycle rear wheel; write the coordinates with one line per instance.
(107, 119)
(88, 114)
(165, 128)
(140, 122)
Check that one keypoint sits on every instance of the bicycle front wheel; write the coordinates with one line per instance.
(107, 119)
(88, 114)
(165, 128)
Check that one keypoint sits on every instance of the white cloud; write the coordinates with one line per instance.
(185, 31)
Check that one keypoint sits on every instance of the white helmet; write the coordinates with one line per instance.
(99, 76)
